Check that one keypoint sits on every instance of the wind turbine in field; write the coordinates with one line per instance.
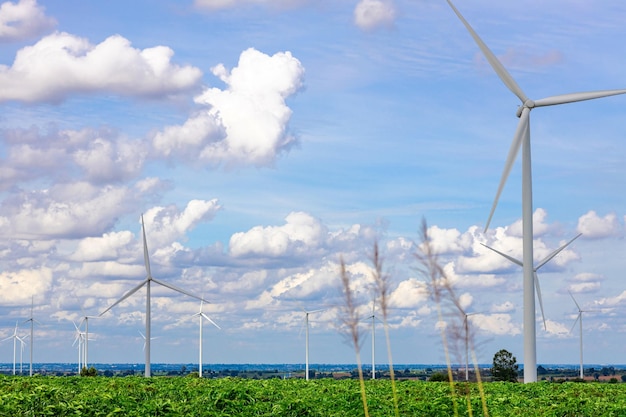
(306, 323)
(32, 323)
(522, 139)
(466, 329)
(373, 318)
(81, 340)
(15, 338)
(579, 319)
(201, 317)
(147, 281)
(85, 319)
(536, 268)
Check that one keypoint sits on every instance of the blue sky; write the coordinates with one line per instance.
(264, 139)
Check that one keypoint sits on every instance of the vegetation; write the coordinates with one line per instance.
(504, 366)
(177, 396)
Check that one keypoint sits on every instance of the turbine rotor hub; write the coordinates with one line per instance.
(529, 104)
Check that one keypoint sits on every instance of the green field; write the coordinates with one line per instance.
(180, 396)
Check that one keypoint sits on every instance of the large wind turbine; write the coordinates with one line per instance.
(15, 338)
(522, 139)
(201, 317)
(149, 279)
(306, 323)
(536, 268)
(579, 319)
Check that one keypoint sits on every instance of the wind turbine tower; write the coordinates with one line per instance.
(522, 139)
(306, 350)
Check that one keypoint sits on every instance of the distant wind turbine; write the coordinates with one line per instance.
(201, 317)
(579, 319)
(306, 323)
(143, 336)
(85, 319)
(15, 338)
(32, 340)
(536, 268)
(522, 139)
(373, 318)
(81, 339)
(466, 329)
(147, 281)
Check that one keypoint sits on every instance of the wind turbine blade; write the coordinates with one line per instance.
(538, 288)
(210, 321)
(504, 75)
(577, 306)
(556, 252)
(128, 294)
(574, 97)
(520, 132)
(180, 290)
(510, 258)
(146, 259)
(576, 321)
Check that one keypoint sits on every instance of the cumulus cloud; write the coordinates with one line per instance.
(409, 294)
(499, 324)
(246, 123)
(100, 155)
(65, 210)
(506, 307)
(106, 247)
(23, 19)
(62, 64)
(17, 287)
(585, 282)
(556, 329)
(301, 234)
(167, 224)
(374, 14)
(593, 226)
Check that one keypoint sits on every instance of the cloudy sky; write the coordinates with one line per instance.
(262, 140)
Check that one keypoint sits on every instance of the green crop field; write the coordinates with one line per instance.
(179, 396)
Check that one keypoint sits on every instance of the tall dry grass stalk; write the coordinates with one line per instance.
(350, 320)
(448, 306)
(382, 291)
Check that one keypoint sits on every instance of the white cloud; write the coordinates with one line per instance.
(506, 307)
(540, 226)
(107, 247)
(373, 14)
(17, 287)
(593, 226)
(66, 210)
(101, 155)
(247, 122)
(22, 20)
(499, 324)
(62, 64)
(164, 225)
(409, 294)
(557, 329)
(301, 234)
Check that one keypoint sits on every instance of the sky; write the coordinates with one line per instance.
(265, 140)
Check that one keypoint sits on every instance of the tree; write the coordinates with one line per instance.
(504, 366)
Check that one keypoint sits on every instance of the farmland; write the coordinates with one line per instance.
(185, 396)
